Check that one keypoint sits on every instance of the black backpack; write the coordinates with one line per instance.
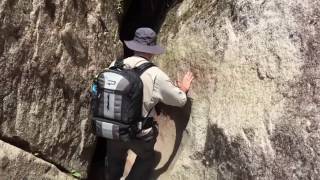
(117, 102)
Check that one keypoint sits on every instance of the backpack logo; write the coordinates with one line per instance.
(110, 82)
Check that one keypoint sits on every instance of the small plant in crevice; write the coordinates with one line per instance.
(75, 174)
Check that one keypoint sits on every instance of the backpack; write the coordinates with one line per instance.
(117, 102)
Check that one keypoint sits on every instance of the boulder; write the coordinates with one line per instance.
(252, 113)
(49, 54)
(16, 163)
(255, 99)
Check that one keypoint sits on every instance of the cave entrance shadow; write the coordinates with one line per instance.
(97, 168)
(180, 118)
(142, 13)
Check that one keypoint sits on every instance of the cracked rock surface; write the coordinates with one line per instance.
(13, 163)
(254, 107)
(255, 110)
(49, 52)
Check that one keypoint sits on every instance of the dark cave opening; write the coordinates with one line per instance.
(142, 13)
(136, 13)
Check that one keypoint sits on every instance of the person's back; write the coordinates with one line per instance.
(157, 87)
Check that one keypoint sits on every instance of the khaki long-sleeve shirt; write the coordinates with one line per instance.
(157, 87)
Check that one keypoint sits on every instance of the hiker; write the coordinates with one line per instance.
(157, 87)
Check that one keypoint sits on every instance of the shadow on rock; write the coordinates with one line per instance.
(97, 169)
(230, 156)
(180, 117)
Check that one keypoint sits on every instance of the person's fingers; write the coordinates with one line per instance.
(188, 77)
(192, 77)
(189, 73)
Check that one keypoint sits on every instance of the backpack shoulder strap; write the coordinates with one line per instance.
(117, 64)
(143, 67)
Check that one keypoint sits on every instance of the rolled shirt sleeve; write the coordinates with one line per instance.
(167, 92)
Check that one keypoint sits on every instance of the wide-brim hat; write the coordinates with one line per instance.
(145, 41)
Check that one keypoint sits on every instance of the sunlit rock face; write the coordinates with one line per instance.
(16, 163)
(49, 52)
(255, 99)
(253, 110)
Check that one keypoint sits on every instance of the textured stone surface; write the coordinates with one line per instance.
(49, 52)
(255, 109)
(15, 163)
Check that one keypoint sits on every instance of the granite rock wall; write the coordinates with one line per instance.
(253, 111)
(49, 52)
(255, 99)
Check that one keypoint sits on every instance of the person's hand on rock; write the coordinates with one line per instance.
(185, 84)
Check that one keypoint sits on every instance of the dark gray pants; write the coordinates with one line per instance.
(144, 164)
